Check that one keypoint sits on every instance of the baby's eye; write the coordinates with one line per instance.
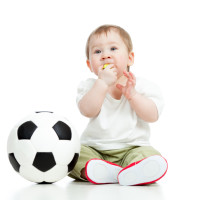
(97, 51)
(113, 48)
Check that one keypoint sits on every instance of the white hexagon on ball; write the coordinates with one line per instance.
(43, 147)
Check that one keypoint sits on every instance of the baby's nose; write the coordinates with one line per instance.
(105, 56)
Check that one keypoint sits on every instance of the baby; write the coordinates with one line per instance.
(115, 144)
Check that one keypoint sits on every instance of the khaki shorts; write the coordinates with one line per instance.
(121, 157)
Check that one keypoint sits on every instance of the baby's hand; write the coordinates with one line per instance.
(129, 89)
(108, 75)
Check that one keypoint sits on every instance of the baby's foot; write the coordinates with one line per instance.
(148, 170)
(100, 171)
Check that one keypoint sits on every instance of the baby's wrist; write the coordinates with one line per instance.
(133, 95)
(102, 83)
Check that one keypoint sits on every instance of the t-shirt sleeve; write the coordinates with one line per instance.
(83, 88)
(151, 91)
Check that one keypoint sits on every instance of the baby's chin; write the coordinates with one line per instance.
(122, 80)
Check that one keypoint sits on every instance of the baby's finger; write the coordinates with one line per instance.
(130, 83)
(120, 87)
(126, 73)
(132, 75)
(129, 75)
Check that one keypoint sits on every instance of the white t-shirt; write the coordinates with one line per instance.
(117, 125)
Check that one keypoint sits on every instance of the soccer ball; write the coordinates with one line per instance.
(43, 147)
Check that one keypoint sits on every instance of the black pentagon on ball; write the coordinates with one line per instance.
(14, 162)
(44, 182)
(62, 130)
(44, 161)
(73, 162)
(26, 130)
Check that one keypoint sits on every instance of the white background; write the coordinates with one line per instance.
(42, 61)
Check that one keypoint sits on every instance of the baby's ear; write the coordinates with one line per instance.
(89, 66)
(131, 59)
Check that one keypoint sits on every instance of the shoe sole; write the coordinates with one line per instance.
(102, 172)
(148, 170)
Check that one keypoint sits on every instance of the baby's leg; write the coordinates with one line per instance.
(86, 154)
(142, 165)
(138, 153)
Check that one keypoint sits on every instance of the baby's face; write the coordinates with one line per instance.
(110, 49)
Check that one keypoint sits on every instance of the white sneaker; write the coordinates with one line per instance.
(100, 171)
(146, 171)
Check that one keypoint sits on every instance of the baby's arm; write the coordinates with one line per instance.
(144, 107)
(90, 104)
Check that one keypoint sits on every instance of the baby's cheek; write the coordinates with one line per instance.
(122, 61)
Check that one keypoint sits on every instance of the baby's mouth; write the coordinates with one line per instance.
(106, 65)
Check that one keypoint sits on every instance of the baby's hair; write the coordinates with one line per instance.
(105, 29)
